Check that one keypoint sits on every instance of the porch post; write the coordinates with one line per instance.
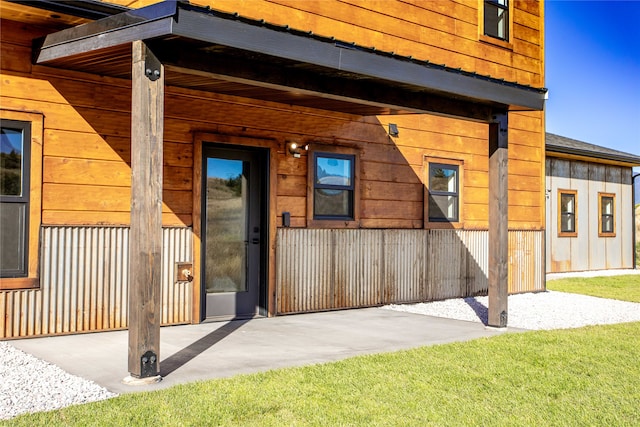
(498, 220)
(147, 120)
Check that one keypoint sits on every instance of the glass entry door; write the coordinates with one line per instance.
(232, 232)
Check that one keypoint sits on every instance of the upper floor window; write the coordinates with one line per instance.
(15, 138)
(333, 186)
(444, 193)
(567, 213)
(496, 19)
(606, 211)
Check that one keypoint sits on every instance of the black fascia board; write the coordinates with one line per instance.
(233, 33)
(200, 24)
(127, 27)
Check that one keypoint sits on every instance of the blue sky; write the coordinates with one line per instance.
(593, 72)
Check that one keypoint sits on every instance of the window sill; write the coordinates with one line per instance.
(496, 42)
(606, 234)
(442, 225)
(19, 283)
(567, 234)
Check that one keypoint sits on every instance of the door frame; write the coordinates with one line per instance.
(268, 275)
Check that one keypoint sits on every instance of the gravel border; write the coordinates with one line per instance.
(29, 384)
(543, 310)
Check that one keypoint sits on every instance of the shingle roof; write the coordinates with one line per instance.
(562, 144)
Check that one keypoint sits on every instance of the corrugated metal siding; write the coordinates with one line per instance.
(331, 269)
(84, 283)
(526, 261)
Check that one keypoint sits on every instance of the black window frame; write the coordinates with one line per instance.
(455, 194)
(350, 188)
(23, 198)
(491, 24)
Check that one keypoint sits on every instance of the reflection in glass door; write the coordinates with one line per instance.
(226, 230)
(232, 230)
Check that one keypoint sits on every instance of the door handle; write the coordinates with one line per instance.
(255, 240)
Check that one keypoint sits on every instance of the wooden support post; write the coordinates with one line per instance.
(145, 270)
(498, 220)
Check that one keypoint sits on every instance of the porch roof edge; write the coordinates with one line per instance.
(172, 18)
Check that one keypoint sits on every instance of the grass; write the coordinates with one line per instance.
(625, 288)
(585, 376)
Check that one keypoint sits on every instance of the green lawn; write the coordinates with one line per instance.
(626, 288)
(575, 377)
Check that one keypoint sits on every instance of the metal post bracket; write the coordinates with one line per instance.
(152, 67)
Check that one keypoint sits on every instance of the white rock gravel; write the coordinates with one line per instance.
(28, 384)
(544, 310)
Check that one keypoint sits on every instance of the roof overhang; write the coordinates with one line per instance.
(568, 148)
(212, 51)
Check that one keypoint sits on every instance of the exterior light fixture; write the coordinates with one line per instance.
(393, 130)
(295, 148)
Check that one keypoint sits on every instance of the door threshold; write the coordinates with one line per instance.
(212, 319)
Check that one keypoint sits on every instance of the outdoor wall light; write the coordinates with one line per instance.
(393, 129)
(295, 148)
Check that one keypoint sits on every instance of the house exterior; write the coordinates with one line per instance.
(590, 212)
(227, 159)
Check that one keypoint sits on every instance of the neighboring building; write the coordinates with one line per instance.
(590, 216)
(232, 159)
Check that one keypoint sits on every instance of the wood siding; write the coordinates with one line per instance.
(586, 249)
(87, 173)
(86, 161)
(441, 31)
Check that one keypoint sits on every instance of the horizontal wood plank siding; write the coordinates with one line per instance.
(443, 32)
(84, 283)
(86, 165)
(332, 269)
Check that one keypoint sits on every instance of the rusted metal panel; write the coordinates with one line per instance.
(304, 270)
(448, 265)
(405, 271)
(330, 269)
(357, 261)
(476, 244)
(561, 179)
(526, 261)
(579, 245)
(84, 283)
(597, 249)
(176, 296)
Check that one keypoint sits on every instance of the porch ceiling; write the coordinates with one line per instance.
(211, 51)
